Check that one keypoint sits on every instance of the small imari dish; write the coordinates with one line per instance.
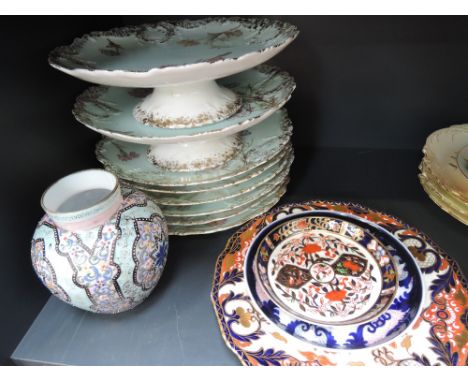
(258, 145)
(446, 158)
(326, 278)
(258, 207)
(436, 335)
(109, 110)
(173, 52)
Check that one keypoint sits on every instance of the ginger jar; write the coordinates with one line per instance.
(99, 247)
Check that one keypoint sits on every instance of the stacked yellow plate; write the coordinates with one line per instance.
(444, 170)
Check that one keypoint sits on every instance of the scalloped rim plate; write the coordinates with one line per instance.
(390, 318)
(441, 158)
(436, 337)
(258, 208)
(271, 177)
(232, 204)
(212, 217)
(173, 52)
(446, 201)
(109, 111)
(221, 184)
(259, 145)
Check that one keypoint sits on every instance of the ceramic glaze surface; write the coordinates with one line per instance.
(195, 156)
(259, 145)
(462, 161)
(217, 185)
(270, 178)
(211, 217)
(237, 202)
(330, 296)
(443, 170)
(187, 105)
(445, 201)
(437, 335)
(107, 269)
(326, 270)
(173, 52)
(233, 213)
(442, 157)
(82, 200)
(258, 207)
(333, 303)
(108, 111)
(441, 196)
(230, 211)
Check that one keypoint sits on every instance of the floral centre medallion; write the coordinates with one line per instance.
(320, 276)
(322, 272)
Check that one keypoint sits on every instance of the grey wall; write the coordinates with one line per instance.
(374, 82)
(377, 82)
(363, 83)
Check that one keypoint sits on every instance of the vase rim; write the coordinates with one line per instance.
(54, 211)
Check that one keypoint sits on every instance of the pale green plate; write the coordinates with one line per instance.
(259, 145)
(178, 212)
(259, 207)
(108, 110)
(215, 217)
(169, 52)
(271, 176)
(287, 150)
(236, 203)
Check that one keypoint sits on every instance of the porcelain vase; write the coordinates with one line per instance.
(99, 247)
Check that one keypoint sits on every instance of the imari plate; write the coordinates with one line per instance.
(332, 280)
(259, 145)
(437, 336)
(170, 52)
(109, 110)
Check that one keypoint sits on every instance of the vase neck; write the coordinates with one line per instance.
(82, 200)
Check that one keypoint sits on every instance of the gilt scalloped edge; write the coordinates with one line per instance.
(429, 158)
(284, 138)
(442, 327)
(64, 56)
(91, 96)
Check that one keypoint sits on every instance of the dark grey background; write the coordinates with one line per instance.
(370, 89)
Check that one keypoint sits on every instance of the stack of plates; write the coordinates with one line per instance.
(190, 114)
(215, 199)
(444, 170)
(329, 283)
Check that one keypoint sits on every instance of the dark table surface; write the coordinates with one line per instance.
(176, 325)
